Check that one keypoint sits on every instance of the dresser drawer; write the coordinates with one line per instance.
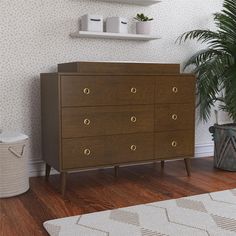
(175, 89)
(131, 148)
(174, 144)
(84, 152)
(106, 150)
(92, 121)
(174, 117)
(106, 90)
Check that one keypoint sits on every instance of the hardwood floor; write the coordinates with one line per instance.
(99, 190)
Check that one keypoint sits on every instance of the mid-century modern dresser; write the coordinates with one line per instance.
(98, 114)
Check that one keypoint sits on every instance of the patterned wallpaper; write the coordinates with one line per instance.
(35, 38)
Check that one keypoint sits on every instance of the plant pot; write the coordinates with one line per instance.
(143, 27)
(224, 137)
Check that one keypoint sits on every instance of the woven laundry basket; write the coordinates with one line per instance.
(14, 176)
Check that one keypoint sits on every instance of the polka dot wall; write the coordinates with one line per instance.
(34, 38)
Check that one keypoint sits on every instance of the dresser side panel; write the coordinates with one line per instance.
(50, 111)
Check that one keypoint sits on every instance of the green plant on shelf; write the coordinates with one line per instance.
(142, 17)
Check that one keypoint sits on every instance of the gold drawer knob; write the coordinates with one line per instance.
(133, 119)
(87, 152)
(174, 144)
(86, 91)
(86, 121)
(174, 117)
(133, 90)
(133, 147)
(175, 90)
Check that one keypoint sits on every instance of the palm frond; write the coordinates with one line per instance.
(202, 56)
(230, 92)
(199, 35)
(207, 89)
(215, 66)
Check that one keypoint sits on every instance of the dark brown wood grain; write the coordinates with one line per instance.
(106, 90)
(99, 190)
(47, 170)
(88, 105)
(106, 150)
(174, 144)
(106, 120)
(119, 68)
(187, 166)
(174, 117)
(50, 119)
(130, 148)
(84, 152)
(175, 89)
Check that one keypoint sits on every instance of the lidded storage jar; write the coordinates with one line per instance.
(117, 25)
(92, 23)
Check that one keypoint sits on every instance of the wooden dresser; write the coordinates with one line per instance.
(109, 114)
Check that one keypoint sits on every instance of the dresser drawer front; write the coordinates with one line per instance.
(84, 152)
(106, 90)
(131, 148)
(174, 117)
(92, 121)
(175, 89)
(106, 150)
(174, 144)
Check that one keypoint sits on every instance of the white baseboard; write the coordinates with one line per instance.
(204, 150)
(37, 167)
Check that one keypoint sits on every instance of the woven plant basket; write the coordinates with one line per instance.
(224, 137)
(14, 177)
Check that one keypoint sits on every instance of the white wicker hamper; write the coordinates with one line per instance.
(14, 177)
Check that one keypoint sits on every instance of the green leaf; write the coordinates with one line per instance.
(215, 66)
(142, 17)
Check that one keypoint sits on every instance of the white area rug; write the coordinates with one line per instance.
(212, 214)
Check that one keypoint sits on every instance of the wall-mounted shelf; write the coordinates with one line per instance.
(135, 2)
(104, 35)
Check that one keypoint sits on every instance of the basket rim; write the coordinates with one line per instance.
(227, 126)
(14, 143)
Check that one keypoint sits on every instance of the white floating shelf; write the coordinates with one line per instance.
(136, 2)
(105, 35)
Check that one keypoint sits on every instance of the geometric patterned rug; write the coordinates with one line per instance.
(211, 214)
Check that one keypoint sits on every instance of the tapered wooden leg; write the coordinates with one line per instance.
(63, 182)
(187, 165)
(47, 171)
(162, 164)
(116, 171)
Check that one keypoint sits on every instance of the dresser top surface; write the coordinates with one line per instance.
(110, 74)
(118, 68)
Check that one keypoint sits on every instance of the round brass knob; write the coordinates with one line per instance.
(86, 91)
(175, 90)
(133, 90)
(86, 121)
(87, 152)
(133, 119)
(174, 144)
(174, 117)
(133, 147)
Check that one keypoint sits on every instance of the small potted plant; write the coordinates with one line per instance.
(143, 26)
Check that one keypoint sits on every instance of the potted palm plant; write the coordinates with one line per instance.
(215, 69)
(143, 24)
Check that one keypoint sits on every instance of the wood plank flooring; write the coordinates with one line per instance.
(99, 190)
